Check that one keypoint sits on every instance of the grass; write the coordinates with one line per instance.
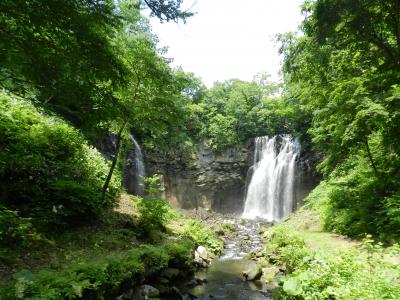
(306, 223)
(325, 265)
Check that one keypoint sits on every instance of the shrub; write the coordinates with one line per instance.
(332, 275)
(154, 216)
(47, 169)
(201, 235)
(14, 230)
(353, 201)
(98, 279)
(224, 229)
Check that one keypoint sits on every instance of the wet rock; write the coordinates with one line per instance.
(254, 272)
(126, 295)
(163, 280)
(202, 252)
(192, 283)
(268, 274)
(163, 289)
(145, 292)
(201, 258)
(170, 273)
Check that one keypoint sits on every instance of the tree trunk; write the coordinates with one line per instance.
(114, 162)
(370, 158)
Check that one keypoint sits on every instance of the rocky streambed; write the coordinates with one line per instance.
(236, 274)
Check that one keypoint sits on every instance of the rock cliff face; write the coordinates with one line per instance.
(218, 181)
(212, 181)
(215, 181)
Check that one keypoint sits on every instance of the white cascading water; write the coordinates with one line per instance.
(139, 167)
(270, 193)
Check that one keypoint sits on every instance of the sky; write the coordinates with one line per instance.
(229, 38)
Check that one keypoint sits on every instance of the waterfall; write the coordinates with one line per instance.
(270, 193)
(134, 170)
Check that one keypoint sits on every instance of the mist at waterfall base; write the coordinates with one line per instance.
(134, 171)
(270, 191)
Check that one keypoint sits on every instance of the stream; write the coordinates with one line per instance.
(224, 279)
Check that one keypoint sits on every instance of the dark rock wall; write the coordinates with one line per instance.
(218, 181)
(215, 181)
(210, 180)
(307, 177)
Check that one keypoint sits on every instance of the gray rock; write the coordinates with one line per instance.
(148, 291)
(268, 274)
(192, 283)
(202, 252)
(254, 272)
(170, 273)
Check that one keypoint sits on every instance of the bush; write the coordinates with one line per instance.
(100, 279)
(338, 275)
(154, 216)
(202, 235)
(14, 230)
(353, 201)
(47, 169)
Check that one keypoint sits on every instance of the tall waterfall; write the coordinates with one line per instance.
(134, 169)
(270, 193)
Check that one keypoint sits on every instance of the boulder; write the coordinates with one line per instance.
(201, 257)
(202, 252)
(146, 291)
(268, 274)
(254, 272)
(192, 283)
(170, 273)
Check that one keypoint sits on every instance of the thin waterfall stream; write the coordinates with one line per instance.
(135, 169)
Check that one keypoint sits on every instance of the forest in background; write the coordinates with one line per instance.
(73, 70)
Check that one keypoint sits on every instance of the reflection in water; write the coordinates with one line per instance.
(225, 282)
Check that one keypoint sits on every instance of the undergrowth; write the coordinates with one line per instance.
(48, 171)
(354, 273)
(93, 262)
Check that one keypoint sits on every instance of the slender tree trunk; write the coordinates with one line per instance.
(118, 146)
(370, 157)
(114, 161)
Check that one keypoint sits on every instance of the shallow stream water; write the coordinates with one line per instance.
(224, 276)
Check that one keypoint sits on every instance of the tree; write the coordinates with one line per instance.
(150, 100)
(344, 71)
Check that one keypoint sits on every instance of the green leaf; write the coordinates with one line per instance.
(292, 286)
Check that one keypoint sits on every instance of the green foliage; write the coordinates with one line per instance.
(168, 10)
(347, 202)
(225, 229)
(155, 214)
(287, 249)
(47, 168)
(153, 184)
(233, 111)
(61, 49)
(344, 73)
(14, 230)
(201, 235)
(337, 275)
(99, 279)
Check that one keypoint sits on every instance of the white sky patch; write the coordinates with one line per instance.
(229, 38)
